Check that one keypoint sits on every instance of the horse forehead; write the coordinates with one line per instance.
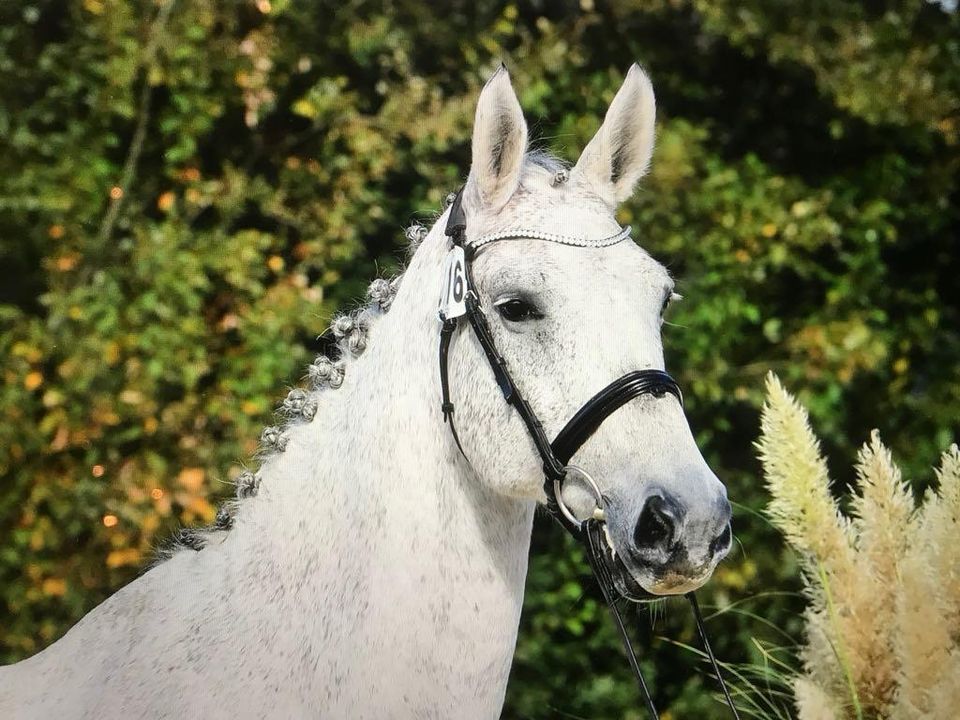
(570, 209)
(624, 269)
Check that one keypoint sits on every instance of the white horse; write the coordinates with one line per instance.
(369, 569)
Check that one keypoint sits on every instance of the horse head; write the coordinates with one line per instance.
(571, 305)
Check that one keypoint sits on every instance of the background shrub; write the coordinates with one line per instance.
(189, 188)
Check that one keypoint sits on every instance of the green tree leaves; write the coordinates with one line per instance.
(803, 193)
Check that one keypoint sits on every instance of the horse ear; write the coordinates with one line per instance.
(499, 143)
(619, 154)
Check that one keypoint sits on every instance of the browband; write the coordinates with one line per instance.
(623, 234)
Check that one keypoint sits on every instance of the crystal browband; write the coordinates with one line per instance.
(550, 237)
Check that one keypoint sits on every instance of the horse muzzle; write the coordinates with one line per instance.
(668, 547)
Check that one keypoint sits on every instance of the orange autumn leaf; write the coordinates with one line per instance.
(65, 263)
(201, 508)
(166, 200)
(126, 556)
(191, 478)
(54, 587)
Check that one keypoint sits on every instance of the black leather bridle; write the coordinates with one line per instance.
(556, 455)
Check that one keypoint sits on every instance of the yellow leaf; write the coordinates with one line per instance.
(131, 397)
(166, 200)
(201, 508)
(150, 524)
(54, 586)
(61, 439)
(111, 352)
(127, 556)
(52, 398)
(33, 380)
(36, 540)
(31, 353)
(304, 108)
(68, 262)
(191, 478)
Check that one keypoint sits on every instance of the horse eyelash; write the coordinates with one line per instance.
(670, 298)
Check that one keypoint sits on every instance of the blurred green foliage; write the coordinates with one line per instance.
(189, 188)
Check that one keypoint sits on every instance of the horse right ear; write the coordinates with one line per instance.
(499, 144)
(619, 154)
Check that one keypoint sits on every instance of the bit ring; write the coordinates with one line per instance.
(591, 485)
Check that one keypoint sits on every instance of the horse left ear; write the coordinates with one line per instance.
(499, 144)
(619, 154)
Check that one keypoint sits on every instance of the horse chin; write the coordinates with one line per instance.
(675, 584)
(628, 585)
(645, 586)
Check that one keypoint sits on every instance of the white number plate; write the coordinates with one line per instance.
(454, 295)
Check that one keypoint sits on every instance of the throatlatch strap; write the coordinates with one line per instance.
(446, 334)
(456, 226)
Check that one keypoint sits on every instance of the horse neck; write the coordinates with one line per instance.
(382, 499)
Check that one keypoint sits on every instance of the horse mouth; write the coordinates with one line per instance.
(611, 569)
(616, 573)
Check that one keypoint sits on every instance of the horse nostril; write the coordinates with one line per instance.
(721, 543)
(656, 524)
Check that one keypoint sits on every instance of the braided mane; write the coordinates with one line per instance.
(326, 372)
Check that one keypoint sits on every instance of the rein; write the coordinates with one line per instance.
(461, 300)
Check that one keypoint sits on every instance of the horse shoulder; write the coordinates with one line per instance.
(150, 635)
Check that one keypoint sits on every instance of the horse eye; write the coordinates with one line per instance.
(517, 310)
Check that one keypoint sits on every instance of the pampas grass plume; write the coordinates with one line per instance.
(796, 475)
(884, 585)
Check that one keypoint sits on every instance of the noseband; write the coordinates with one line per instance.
(460, 299)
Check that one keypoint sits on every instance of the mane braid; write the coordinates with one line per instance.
(350, 331)
(325, 372)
